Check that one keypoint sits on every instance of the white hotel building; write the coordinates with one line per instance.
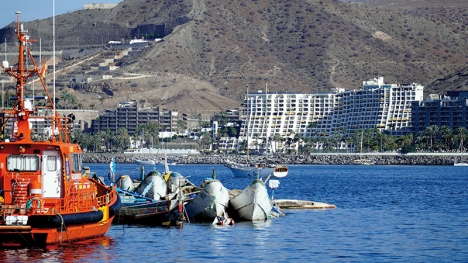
(378, 105)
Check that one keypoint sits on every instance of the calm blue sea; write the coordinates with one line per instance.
(383, 214)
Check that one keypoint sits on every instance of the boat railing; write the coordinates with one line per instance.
(80, 197)
(106, 199)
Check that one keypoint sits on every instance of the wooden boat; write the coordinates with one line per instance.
(167, 211)
(45, 198)
(151, 213)
(211, 202)
(252, 203)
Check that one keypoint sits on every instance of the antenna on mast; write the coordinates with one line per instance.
(53, 50)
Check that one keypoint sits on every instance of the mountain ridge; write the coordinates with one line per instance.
(214, 50)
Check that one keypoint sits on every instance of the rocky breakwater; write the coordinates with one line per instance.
(318, 159)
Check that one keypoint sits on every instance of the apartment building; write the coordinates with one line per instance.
(449, 110)
(386, 107)
(344, 112)
(129, 115)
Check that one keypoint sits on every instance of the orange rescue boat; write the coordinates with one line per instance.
(44, 197)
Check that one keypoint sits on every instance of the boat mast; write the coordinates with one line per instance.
(247, 125)
(264, 122)
(362, 138)
(21, 109)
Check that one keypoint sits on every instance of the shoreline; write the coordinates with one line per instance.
(316, 158)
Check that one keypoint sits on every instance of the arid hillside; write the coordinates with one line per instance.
(214, 50)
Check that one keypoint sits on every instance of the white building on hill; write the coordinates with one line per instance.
(343, 112)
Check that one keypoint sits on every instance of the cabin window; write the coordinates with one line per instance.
(28, 163)
(76, 163)
(51, 163)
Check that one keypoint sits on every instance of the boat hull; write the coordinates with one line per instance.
(145, 162)
(157, 213)
(252, 203)
(211, 202)
(250, 172)
(153, 186)
(44, 230)
(26, 236)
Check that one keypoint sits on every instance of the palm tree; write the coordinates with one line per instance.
(432, 131)
(181, 126)
(205, 140)
(446, 134)
(67, 99)
(276, 138)
(298, 138)
(460, 135)
(122, 139)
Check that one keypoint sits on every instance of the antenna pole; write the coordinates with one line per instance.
(3, 82)
(53, 59)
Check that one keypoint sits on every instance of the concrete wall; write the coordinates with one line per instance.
(83, 117)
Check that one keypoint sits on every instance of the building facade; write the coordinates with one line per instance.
(449, 110)
(386, 107)
(129, 115)
(377, 105)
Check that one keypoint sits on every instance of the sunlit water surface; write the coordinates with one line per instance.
(383, 214)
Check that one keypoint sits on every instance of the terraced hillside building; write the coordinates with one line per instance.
(129, 115)
(377, 105)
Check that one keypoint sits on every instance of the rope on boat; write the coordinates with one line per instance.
(186, 215)
(21, 235)
(62, 227)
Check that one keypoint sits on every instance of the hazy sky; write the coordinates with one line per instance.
(39, 9)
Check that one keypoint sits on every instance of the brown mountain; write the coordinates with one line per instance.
(213, 50)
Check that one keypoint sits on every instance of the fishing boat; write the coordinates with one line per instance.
(210, 203)
(152, 189)
(167, 211)
(45, 198)
(157, 199)
(250, 204)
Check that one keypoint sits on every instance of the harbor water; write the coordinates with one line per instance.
(383, 214)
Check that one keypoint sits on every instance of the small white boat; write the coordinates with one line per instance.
(363, 162)
(262, 170)
(280, 171)
(252, 203)
(145, 161)
(460, 164)
(211, 202)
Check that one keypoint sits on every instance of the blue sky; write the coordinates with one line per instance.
(39, 9)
